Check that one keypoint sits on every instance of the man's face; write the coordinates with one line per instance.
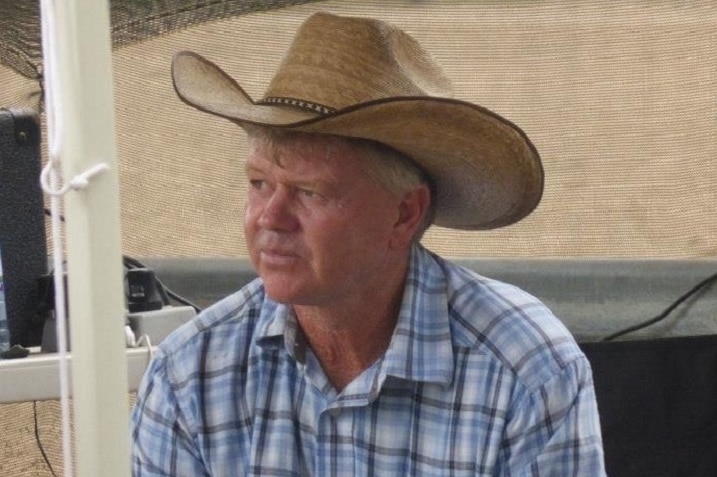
(318, 230)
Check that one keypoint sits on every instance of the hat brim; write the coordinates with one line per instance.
(487, 174)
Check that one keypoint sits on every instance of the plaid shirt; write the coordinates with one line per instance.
(479, 379)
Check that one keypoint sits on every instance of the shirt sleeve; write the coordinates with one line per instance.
(162, 444)
(554, 430)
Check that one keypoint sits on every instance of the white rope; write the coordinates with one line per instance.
(60, 326)
(79, 182)
(143, 340)
(50, 183)
(54, 107)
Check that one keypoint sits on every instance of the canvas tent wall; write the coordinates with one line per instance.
(618, 98)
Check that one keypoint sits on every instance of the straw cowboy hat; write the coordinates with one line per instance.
(364, 78)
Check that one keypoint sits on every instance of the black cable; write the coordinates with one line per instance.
(701, 285)
(163, 290)
(39, 441)
(178, 298)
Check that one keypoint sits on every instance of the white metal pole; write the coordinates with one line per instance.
(96, 304)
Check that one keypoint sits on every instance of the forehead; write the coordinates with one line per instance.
(306, 152)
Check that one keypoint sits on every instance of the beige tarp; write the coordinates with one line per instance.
(619, 98)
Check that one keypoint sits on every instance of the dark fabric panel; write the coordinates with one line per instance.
(658, 405)
(22, 224)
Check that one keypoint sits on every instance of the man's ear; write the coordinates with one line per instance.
(412, 209)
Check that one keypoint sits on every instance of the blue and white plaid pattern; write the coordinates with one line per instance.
(480, 379)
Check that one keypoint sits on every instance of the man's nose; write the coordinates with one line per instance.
(278, 211)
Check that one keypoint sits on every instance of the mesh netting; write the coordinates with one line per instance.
(29, 430)
(31, 441)
(131, 21)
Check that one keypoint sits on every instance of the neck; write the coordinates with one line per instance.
(348, 339)
(345, 353)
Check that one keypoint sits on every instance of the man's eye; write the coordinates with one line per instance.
(312, 194)
(257, 184)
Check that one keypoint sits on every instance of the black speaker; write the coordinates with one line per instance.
(23, 246)
(658, 405)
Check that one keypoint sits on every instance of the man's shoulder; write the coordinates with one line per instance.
(516, 328)
(228, 321)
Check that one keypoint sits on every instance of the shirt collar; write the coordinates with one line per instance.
(420, 349)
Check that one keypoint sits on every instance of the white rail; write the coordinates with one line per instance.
(81, 133)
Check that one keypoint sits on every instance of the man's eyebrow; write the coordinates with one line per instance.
(300, 182)
(253, 168)
(311, 184)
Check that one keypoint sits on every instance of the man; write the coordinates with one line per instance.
(357, 351)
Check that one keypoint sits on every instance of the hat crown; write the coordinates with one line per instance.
(336, 62)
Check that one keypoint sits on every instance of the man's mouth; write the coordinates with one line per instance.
(277, 256)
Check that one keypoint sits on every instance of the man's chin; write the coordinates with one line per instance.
(282, 289)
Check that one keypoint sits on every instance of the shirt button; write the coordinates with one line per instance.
(335, 412)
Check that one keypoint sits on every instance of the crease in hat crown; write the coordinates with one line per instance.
(364, 78)
(335, 62)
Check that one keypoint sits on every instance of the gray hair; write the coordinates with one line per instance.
(384, 165)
